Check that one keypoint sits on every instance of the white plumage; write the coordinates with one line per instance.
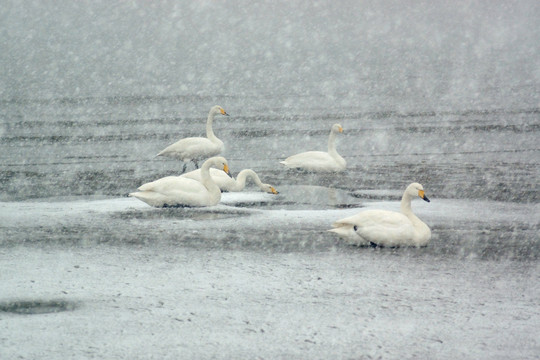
(180, 191)
(387, 228)
(227, 183)
(197, 148)
(319, 161)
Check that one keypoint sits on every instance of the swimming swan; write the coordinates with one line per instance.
(319, 161)
(197, 148)
(387, 228)
(181, 191)
(227, 183)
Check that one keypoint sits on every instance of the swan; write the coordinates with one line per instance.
(227, 183)
(319, 161)
(387, 228)
(197, 148)
(181, 191)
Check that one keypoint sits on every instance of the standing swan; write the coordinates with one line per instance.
(319, 161)
(180, 191)
(197, 148)
(387, 228)
(226, 183)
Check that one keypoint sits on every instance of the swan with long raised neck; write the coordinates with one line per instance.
(197, 148)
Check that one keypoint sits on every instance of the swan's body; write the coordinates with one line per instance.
(180, 191)
(387, 228)
(227, 183)
(197, 148)
(319, 161)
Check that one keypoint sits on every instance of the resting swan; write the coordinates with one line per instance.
(197, 148)
(180, 191)
(319, 161)
(387, 228)
(227, 183)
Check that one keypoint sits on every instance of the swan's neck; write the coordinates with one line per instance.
(332, 149)
(242, 177)
(209, 131)
(406, 204)
(332, 143)
(208, 182)
(407, 210)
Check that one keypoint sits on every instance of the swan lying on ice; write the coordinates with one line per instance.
(387, 228)
(319, 161)
(181, 191)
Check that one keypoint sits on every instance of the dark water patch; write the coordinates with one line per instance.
(84, 139)
(37, 307)
(517, 241)
(501, 181)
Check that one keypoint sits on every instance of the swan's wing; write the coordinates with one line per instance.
(193, 147)
(314, 161)
(220, 177)
(195, 175)
(171, 184)
(309, 157)
(380, 226)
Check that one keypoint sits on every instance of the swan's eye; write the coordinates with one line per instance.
(355, 227)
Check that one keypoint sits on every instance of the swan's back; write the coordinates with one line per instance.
(192, 148)
(222, 180)
(314, 161)
(382, 227)
(175, 191)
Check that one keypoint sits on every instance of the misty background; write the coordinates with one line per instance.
(410, 56)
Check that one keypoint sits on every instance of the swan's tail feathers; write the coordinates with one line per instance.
(161, 153)
(284, 162)
(342, 231)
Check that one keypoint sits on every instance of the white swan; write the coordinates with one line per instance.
(197, 148)
(387, 228)
(319, 161)
(227, 183)
(180, 191)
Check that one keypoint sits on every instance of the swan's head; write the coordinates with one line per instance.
(416, 189)
(218, 110)
(269, 189)
(337, 128)
(218, 162)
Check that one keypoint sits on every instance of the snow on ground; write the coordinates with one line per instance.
(166, 300)
(173, 302)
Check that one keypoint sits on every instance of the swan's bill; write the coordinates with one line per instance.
(226, 169)
(223, 112)
(274, 191)
(340, 129)
(422, 195)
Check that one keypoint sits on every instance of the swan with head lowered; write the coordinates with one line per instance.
(227, 183)
(184, 192)
(387, 228)
(319, 161)
(197, 148)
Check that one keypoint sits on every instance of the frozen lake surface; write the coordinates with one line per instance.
(444, 95)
